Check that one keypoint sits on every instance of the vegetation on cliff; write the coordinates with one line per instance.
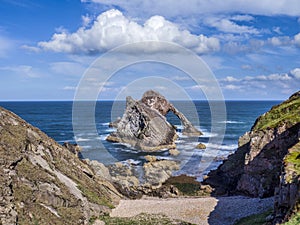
(287, 113)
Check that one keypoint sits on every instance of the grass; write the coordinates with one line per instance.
(255, 219)
(295, 220)
(286, 112)
(292, 162)
(187, 186)
(141, 219)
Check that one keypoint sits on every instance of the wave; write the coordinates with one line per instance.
(222, 147)
(231, 122)
(104, 124)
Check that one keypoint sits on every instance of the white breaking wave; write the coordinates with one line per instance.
(231, 121)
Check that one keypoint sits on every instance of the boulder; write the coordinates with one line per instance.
(201, 146)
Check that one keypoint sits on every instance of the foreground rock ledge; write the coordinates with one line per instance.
(145, 127)
(42, 182)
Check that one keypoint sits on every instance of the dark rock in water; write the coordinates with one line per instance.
(144, 124)
(201, 146)
(44, 183)
(266, 160)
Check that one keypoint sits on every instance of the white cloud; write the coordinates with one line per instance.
(86, 20)
(230, 79)
(69, 88)
(112, 29)
(296, 73)
(171, 8)
(231, 87)
(297, 39)
(23, 70)
(228, 26)
(31, 48)
(277, 30)
(242, 18)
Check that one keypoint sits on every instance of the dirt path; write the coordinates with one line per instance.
(207, 210)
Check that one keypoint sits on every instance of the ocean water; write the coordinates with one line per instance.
(55, 119)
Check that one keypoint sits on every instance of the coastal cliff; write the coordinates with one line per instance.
(266, 161)
(42, 181)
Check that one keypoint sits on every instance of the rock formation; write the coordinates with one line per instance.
(260, 163)
(43, 182)
(144, 124)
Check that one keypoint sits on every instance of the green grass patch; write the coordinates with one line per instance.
(255, 219)
(295, 220)
(286, 112)
(292, 162)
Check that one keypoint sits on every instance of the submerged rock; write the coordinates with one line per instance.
(145, 126)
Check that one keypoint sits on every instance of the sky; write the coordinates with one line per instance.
(251, 48)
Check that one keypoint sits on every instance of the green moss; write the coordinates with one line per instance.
(94, 197)
(287, 112)
(295, 220)
(292, 163)
(141, 219)
(255, 219)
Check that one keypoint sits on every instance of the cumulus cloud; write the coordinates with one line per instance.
(171, 8)
(295, 73)
(112, 29)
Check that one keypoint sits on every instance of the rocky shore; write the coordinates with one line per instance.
(43, 182)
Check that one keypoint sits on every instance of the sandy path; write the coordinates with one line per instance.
(208, 210)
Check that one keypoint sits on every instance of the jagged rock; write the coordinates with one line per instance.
(144, 124)
(255, 167)
(74, 148)
(43, 182)
(287, 194)
(201, 146)
(156, 173)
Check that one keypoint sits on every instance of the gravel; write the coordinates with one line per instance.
(205, 210)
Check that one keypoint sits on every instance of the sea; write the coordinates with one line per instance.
(55, 118)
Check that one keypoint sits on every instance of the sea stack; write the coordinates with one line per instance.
(145, 126)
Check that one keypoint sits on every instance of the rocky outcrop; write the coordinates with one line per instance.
(144, 124)
(287, 194)
(43, 182)
(254, 169)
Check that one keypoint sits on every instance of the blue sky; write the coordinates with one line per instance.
(251, 46)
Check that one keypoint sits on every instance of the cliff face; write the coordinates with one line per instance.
(259, 164)
(43, 182)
